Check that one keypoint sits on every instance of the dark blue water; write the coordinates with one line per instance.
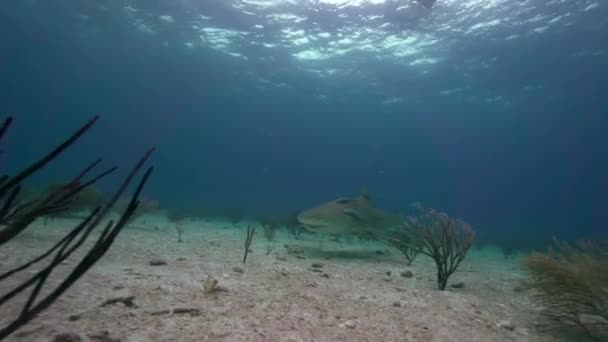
(493, 111)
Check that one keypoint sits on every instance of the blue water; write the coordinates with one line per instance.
(493, 111)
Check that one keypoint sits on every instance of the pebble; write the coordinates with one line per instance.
(74, 317)
(157, 262)
(407, 274)
(68, 337)
(458, 285)
(293, 339)
(506, 325)
(518, 288)
(220, 333)
(348, 324)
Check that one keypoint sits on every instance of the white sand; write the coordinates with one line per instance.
(276, 297)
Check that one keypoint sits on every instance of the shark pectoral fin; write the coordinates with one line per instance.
(352, 213)
(305, 227)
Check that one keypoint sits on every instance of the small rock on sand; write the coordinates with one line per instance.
(348, 324)
(407, 274)
(458, 285)
(157, 262)
(69, 337)
(506, 324)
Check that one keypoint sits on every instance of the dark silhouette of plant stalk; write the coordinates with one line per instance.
(248, 241)
(16, 217)
(404, 242)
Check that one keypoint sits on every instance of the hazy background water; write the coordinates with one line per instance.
(491, 110)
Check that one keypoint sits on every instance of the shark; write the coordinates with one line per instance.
(349, 215)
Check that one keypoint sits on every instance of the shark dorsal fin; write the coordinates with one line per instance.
(365, 195)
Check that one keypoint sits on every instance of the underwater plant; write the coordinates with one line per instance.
(85, 201)
(146, 206)
(270, 225)
(291, 224)
(404, 242)
(444, 239)
(571, 283)
(270, 232)
(177, 219)
(248, 240)
(15, 217)
(296, 231)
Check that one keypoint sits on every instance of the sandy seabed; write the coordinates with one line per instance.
(150, 287)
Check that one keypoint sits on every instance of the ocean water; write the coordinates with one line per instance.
(493, 111)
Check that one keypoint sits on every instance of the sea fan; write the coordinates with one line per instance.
(571, 283)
